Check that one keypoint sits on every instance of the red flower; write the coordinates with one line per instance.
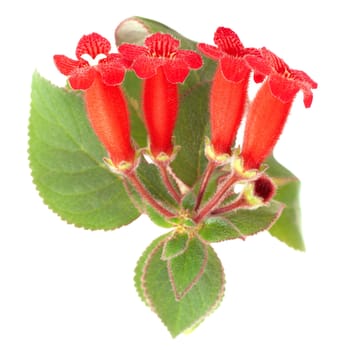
(161, 50)
(105, 102)
(269, 109)
(229, 88)
(162, 64)
(81, 74)
(284, 82)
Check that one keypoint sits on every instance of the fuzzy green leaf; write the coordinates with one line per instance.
(240, 223)
(155, 288)
(288, 227)
(175, 245)
(186, 269)
(66, 162)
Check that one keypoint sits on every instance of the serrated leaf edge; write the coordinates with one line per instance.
(166, 258)
(180, 294)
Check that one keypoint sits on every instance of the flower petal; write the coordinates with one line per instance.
(234, 69)
(162, 44)
(82, 78)
(93, 45)
(176, 71)
(282, 88)
(130, 51)
(112, 69)
(210, 51)
(228, 41)
(192, 59)
(65, 64)
(258, 64)
(145, 67)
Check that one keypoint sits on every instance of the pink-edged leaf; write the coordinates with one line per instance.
(93, 45)
(186, 269)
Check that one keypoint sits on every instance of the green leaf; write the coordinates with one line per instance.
(175, 245)
(192, 123)
(66, 162)
(154, 286)
(186, 269)
(288, 227)
(240, 223)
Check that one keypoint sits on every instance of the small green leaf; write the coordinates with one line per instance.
(240, 223)
(155, 288)
(186, 269)
(157, 243)
(288, 227)
(175, 245)
(66, 162)
(157, 218)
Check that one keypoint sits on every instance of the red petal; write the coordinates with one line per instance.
(258, 64)
(93, 44)
(234, 69)
(65, 65)
(191, 58)
(210, 51)
(228, 41)
(112, 69)
(145, 67)
(130, 51)
(176, 71)
(161, 44)
(282, 88)
(82, 78)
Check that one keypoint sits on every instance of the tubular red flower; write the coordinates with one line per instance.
(111, 66)
(162, 64)
(104, 100)
(229, 88)
(160, 104)
(109, 117)
(269, 110)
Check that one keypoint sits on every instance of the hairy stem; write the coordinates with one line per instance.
(208, 171)
(217, 198)
(163, 168)
(239, 202)
(146, 195)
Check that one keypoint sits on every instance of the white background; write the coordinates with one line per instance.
(66, 288)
